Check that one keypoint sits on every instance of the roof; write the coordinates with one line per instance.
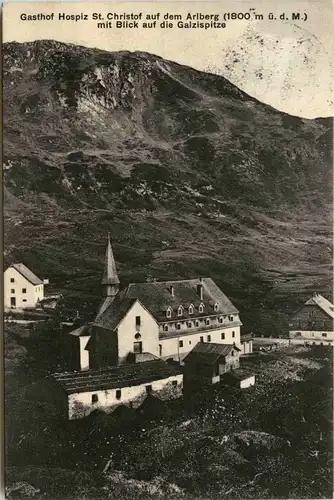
(141, 357)
(82, 331)
(110, 276)
(158, 296)
(27, 274)
(116, 311)
(238, 374)
(323, 303)
(107, 301)
(115, 377)
(208, 353)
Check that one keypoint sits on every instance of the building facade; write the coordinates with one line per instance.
(166, 319)
(313, 322)
(107, 389)
(208, 362)
(22, 288)
(129, 351)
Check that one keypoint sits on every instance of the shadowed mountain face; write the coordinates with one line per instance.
(190, 175)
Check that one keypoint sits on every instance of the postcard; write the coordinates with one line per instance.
(168, 214)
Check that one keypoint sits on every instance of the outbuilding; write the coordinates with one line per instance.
(207, 362)
(239, 378)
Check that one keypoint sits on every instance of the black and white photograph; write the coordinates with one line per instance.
(168, 250)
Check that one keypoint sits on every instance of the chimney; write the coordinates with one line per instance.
(172, 290)
(200, 290)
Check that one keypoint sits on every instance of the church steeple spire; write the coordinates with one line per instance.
(110, 279)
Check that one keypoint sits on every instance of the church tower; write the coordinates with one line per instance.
(110, 281)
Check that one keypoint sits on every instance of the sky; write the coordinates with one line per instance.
(284, 63)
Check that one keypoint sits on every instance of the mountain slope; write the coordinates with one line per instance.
(191, 176)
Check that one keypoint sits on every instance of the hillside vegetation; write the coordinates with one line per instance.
(189, 174)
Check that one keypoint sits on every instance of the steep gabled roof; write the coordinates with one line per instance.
(27, 274)
(158, 296)
(323, 303)
(114, 314)
(115, 377)
(208, 353)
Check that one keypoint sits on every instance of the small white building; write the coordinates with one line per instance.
(22, 288)
(106, 389)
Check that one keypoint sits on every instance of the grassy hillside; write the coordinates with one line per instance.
(256, 443)
(190, 175)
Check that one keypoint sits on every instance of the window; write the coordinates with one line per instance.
(24, 300)
(118, 394)
(148, 389)
(137, 321)
(209, 338)
(207, 321)
(95, 398)
(178, 326)
(24, 290)
(12, 290)
(180, 343)
(216, 306)
(189, 342)
(12, 280)
(169, 313)
(324, 334)
(137, 336)
(189, 324)
(233, 335)
(231, 318)
(160, 350)
(232, 353)
(200, 308)
(196, 323)
(201, 339)
(223, 336)
(180, 311)
(137, 347)
(174, 383)
(165, 328)
(191, 309)
(221, 319)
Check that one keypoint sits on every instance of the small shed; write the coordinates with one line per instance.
(208, 361)
(239, 378)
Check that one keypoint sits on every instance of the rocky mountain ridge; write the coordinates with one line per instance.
(190, 174)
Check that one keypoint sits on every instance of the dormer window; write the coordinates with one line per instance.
(165, 328)
(221, 319)
(189, 324)
(169, 312)
(216, 306)
(201, 308)
(207, 321)
(196, 323)
(231, 318)
(180, 311)
(178, 326)
(191, 309)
